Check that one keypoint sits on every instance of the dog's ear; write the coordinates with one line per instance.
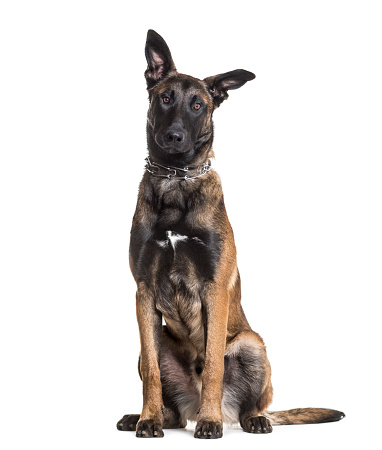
(220, 84)
(158, 58)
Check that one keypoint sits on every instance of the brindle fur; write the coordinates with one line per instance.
(206, 364)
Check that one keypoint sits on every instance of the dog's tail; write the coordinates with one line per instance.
(303, 415)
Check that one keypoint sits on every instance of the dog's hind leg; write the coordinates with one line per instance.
(247, 389)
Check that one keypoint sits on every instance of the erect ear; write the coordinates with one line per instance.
(219, 84)
(158, 58)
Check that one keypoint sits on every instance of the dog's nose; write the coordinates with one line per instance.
(174, 137)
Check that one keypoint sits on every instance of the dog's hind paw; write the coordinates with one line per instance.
(257, 425)
(128, 422)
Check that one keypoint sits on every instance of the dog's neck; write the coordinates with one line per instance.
(172, 201)
(177, 173)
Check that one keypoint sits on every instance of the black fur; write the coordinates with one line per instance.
(178, 115)
(183, 258)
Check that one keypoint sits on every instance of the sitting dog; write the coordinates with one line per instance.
(206, 364)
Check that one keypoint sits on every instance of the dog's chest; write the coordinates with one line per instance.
(179, 282)
(173, 238)
(184, 265)
(186, 256)
(176, 260)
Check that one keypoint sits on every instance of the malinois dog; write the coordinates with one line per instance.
(206, 364)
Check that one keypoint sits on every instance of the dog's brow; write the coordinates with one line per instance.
(169, 92)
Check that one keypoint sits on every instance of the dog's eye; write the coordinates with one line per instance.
(197, 106)
(166, 100)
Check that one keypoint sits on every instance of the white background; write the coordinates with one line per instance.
(299, 153)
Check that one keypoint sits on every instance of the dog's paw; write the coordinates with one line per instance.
(149, 428)
(258, 425)
(208, 430)
(128, 422)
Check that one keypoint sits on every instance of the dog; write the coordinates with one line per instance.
(206, 364)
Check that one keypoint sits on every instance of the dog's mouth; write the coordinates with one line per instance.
(174, 150)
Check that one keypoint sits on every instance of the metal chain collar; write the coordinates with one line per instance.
(155, 168)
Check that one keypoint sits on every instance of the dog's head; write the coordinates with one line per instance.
(179, 127)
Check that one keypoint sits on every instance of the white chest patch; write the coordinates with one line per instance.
(172, 239)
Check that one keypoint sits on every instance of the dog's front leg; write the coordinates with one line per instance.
(209, 425)
(150, 331)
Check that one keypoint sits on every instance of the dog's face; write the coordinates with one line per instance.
(180, 115)
(179, 127)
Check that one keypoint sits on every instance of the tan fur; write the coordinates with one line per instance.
(207, 361)
(225, 317)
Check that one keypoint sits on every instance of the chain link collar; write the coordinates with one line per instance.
(189, 173)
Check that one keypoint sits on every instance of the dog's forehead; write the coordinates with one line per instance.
(185, 86)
